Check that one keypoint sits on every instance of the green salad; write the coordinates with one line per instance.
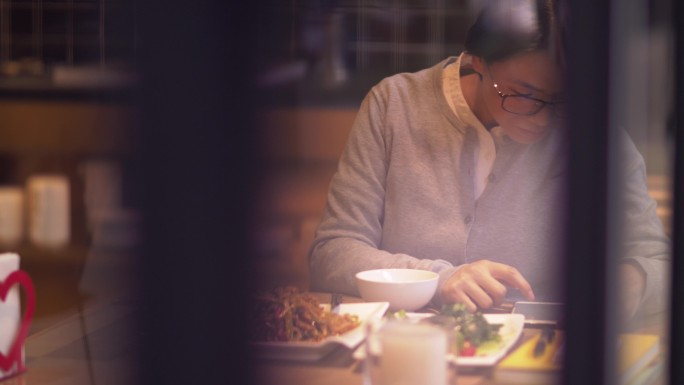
(473, 334)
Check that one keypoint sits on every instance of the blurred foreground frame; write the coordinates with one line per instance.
(197, 173)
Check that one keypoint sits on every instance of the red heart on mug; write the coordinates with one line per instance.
(18, 277)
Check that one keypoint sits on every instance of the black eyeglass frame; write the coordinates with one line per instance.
(539, 102)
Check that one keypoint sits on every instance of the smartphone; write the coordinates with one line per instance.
(540, 313)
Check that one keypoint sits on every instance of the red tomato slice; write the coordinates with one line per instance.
(468, 349)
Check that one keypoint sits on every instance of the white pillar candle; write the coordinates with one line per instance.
(413, 354)
(48, 201)
(11, 215)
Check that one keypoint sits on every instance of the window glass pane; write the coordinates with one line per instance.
(642, 106)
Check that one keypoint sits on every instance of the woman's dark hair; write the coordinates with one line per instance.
(508, 27)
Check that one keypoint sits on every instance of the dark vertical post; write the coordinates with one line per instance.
(676, 369)
(588, 143)
(196, 166)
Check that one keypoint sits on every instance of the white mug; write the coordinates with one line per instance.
(10, 310)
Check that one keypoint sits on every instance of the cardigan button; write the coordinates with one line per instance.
(468, 219)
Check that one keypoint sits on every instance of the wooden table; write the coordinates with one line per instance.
(95, 344)
(339, 368)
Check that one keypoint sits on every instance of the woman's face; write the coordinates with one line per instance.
(530, 79)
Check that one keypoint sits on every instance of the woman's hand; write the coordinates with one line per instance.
(483, 284)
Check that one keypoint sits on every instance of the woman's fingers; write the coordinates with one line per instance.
(478, 295)
(511, 276)
(495, 289)
(483, 284)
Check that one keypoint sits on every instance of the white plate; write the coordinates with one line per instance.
(313, 351)
(511, 330)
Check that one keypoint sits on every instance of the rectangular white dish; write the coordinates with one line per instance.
(512, 327)
(314, 351)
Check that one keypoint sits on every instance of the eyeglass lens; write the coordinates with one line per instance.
(526, 106)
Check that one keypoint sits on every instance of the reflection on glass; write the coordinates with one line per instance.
(641, 106)
(379, 196)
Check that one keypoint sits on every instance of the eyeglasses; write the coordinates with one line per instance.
(527, 105)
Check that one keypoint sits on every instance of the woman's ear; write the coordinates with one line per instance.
(478, 65)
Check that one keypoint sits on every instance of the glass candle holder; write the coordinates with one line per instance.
(407, 352)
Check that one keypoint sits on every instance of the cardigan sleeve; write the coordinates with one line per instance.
(349, 237)
(645, 242)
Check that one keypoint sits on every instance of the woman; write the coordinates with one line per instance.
(459, 169)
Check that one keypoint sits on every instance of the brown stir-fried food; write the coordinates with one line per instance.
(286, 314)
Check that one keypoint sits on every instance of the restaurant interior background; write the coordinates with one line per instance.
(69, 106)
(67, 129)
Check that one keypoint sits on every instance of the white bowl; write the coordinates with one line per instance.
(404, 289)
